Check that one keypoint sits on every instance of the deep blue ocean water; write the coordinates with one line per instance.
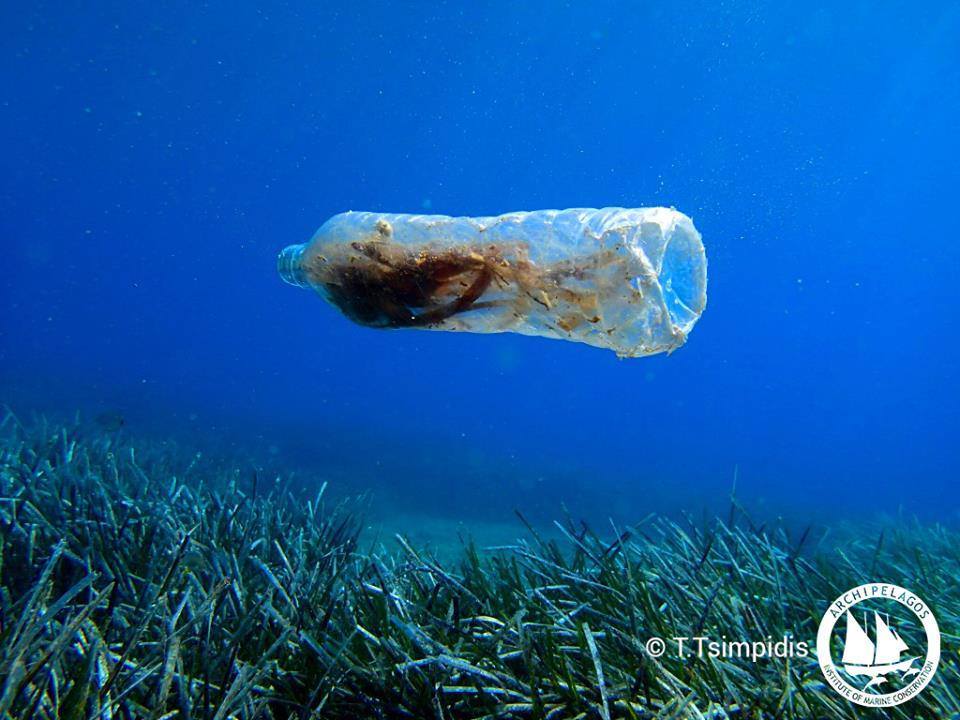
(157, 156)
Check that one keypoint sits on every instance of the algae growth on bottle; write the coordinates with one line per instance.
(630, 280)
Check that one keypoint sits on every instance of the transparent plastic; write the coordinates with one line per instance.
(630, 280)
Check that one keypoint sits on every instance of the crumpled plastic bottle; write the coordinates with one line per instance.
(630, 280)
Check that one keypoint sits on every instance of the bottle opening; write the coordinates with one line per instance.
(684, 277)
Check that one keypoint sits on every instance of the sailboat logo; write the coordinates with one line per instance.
(875, 659)
(871, 664)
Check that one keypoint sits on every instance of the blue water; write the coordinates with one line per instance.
(156, 157)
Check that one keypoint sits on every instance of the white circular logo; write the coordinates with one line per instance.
(884, 659)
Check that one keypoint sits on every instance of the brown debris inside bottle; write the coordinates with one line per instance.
(378, 283)
(384, 288)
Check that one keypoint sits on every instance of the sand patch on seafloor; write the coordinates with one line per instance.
(445, 537)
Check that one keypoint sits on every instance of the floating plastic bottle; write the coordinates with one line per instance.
(630, 280)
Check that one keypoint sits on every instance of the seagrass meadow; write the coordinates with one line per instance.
(138, 581)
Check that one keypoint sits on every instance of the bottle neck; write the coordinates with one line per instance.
(289, 265)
